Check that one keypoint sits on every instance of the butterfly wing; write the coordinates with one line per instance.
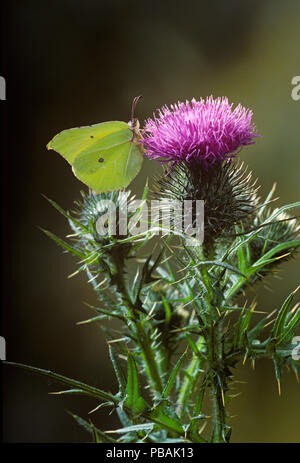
(103, 156)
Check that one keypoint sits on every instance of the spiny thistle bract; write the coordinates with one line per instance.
(182, 329)
(284, 229)
(226, 189)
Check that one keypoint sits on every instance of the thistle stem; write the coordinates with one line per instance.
(216, 370)
(141, 335)
(215, 350)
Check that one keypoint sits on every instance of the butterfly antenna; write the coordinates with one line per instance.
(134, 103)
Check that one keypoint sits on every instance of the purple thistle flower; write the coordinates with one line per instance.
(208, 131)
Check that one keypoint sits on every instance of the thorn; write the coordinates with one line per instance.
(92, 278)
(232, 396)
(95, 409)
(294, 292)
(73, 274)
(269, 323)
(281, 257)
(295, 308)
(279, 387)
(223, 398)
(83, 322)
(253, 306)
(116, 340)
(202, 428)
(271, 313)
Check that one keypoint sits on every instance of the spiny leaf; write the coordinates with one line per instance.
(159, 415)
(173, 376)
(134, 428)
(279, 248)
(290, 328)
(67, 215)
(278, 327)
(194, 346)
(91, 390)
(73, 392)
(90, 428)
(243, 324)
(193, 428)
(221, 264)
(259, 326)
(118, 371)
(64, 245)
(133, 398)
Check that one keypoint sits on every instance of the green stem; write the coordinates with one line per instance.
(216, 377)
(215, 351)
(141, 335)
(188, 385)
(219, 411)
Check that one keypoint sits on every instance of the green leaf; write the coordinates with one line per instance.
(242, 260)
(74, 392)
(249, 237)
(135, 428)
(133, 399)
(159, 416)
(243, 323)
(64, 245)
(193, 427)
(279, 324)
(91, 390)
(173, 376)
(220, 264)
(290, 328)
(254, 332)
(267, 258)
(105, 156)
(118, 371)
(67, 215)
(90, 428)
(195, 347)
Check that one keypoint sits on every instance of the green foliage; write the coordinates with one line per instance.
(181, 330)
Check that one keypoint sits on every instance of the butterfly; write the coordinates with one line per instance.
(105, 156)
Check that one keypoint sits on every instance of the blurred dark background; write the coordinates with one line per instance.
(69, 63)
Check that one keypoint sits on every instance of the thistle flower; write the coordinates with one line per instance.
(207, 131)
